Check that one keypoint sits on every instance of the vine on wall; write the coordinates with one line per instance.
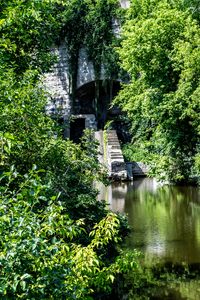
(90, 25)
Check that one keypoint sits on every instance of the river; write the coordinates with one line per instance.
(164, 220)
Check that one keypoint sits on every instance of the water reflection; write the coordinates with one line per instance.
(165, 220)
(114, 194)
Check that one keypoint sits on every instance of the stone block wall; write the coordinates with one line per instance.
(57, 84)
(85, 69)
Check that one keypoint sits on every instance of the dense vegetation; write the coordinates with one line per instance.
(57, 241)
(160, 51)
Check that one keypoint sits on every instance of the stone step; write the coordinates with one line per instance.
(113, 142)
(117, 160)
(116, 153)
(114, 145)
(117, 167)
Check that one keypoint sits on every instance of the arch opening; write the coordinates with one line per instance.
(95, 98)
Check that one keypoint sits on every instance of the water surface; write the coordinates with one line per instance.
(165, 220)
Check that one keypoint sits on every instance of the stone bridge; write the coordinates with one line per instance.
(84, 111)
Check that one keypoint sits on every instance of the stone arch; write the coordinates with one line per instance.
(86, 101)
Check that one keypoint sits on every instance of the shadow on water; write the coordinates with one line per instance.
(165, 222)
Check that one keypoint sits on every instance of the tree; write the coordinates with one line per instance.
(28, 29)
(47, 250)
(159, 51)
(40, 253)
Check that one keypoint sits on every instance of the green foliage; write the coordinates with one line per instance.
(39, 254)
(160, 52)
(28, 137)
(99, 38)
(131, 153)
(56, 240)
(27, 30)
(197, 166)
(71, 170)
(23, 119)
(191, 5)
(89, 24)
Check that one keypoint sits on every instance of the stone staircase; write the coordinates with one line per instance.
(113, 157)
(110, 155)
